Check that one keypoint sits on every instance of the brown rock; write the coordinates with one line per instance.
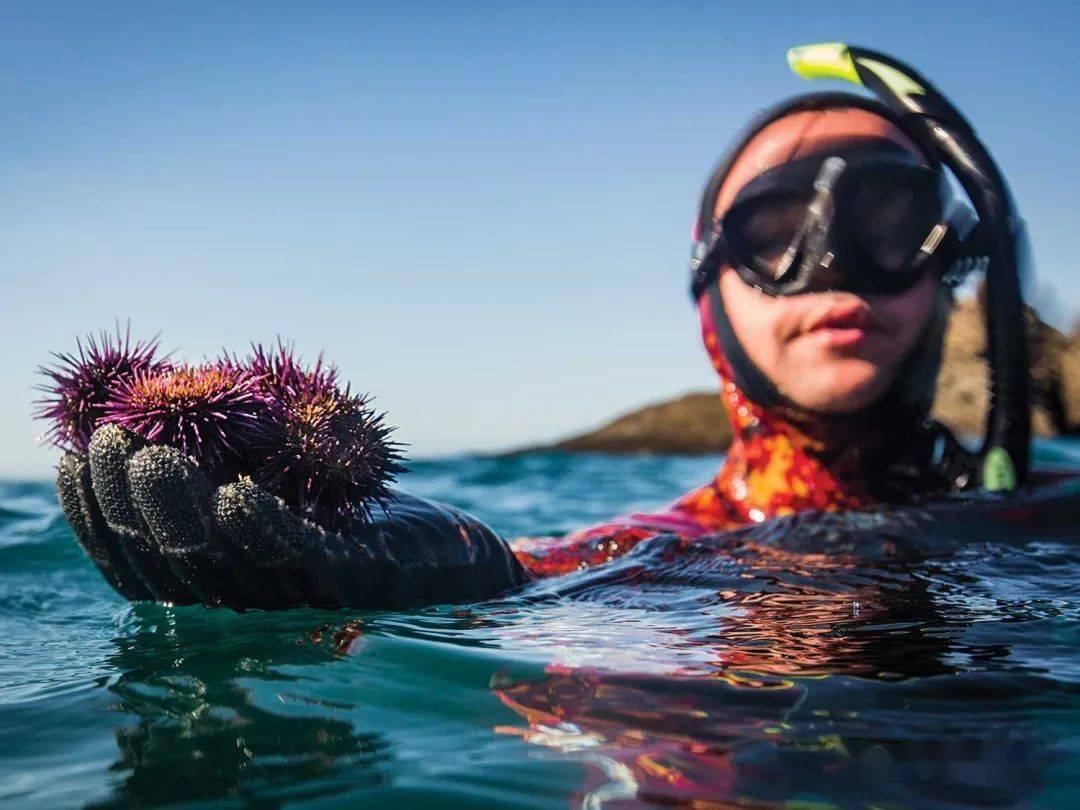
(962, 394)
(961, 397)
(1069, 371)
(689, 425)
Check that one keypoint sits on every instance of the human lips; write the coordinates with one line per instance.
(844, 324)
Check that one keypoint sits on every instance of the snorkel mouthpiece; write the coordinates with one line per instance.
(948, 135)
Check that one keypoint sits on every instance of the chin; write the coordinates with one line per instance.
(839, 387)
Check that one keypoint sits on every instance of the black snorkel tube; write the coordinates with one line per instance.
(1004, 455)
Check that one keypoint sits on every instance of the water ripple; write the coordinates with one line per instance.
(922, 657)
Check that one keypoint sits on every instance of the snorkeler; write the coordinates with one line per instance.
(824, 256)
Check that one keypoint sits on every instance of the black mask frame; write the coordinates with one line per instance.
(865, 216)
(960, 250)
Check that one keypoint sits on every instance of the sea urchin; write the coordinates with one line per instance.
(283, 376)
(210, 412)
(83, 382)
(329, 456)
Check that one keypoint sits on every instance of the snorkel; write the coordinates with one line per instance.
(998, 236)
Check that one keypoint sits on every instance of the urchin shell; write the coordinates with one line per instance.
(81, 383)
(330, 456)
(210, 412)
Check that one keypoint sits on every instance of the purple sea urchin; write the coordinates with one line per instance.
(210, 412)
(283, 376)
(323, 450)
(82, 383)
(330, 456)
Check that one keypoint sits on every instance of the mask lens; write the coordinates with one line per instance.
(890, 214)
(760, 231)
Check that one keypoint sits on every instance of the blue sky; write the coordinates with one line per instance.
(479, 211)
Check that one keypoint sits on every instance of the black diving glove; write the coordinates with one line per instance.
(158, 529)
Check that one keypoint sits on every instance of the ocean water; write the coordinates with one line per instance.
(911, 658)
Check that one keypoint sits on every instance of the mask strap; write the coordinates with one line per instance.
(748, 377)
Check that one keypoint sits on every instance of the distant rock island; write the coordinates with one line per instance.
(696, 424)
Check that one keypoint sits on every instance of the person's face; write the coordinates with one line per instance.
(833, 352)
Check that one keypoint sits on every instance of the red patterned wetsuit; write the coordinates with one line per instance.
(780, 462)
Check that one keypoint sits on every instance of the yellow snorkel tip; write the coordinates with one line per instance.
(825, 60)
(835, 60)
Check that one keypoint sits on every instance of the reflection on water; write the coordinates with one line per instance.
(192, 707)
(752, 692)
(915, 658)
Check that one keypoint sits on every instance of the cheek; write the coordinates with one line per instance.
(906, 316)
(756, 319)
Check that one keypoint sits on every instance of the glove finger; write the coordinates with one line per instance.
(173, 498)
(270, 539)
(307, 563)
(97, 540)
(110, 448)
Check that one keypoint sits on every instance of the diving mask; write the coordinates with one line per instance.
(866, 217)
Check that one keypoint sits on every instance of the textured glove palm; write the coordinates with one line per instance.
(157, 529)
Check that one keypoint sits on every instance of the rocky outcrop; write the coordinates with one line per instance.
(962, 394)
(696, 423)
(692, 424)
(1069, 365)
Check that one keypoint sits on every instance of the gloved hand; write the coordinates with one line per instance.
(157, 529)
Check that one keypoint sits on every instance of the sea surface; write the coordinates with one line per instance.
(898, 659)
